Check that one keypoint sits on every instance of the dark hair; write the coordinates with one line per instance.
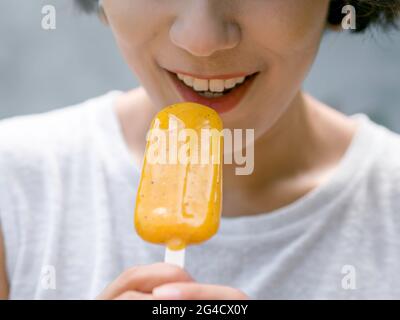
(383, 13)
(88, 6)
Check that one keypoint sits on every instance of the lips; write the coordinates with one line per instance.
(220, 103)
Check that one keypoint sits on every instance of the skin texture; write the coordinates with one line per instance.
(279, 39)
(299, 140)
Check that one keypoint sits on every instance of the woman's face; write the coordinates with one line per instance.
(214, 43)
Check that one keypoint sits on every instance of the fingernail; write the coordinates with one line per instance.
(167, 293)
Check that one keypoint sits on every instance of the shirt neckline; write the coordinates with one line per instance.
(126, 167)
(355, 161)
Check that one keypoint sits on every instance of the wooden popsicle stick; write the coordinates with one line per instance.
(176, 257)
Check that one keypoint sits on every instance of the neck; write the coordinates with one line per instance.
(277, 150)
(294, 156)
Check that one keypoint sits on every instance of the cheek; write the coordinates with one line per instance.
(136, 24)
(287, 34)
(139, 27)
(284, 27)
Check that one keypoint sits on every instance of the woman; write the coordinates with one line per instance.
(317, 218)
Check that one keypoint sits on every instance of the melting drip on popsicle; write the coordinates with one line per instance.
(180, 191)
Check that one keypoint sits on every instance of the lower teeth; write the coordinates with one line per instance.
(209, 94)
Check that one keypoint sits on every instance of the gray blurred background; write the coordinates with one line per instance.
(42, 70)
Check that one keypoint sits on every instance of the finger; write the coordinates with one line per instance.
(196, 291)
(144, 279)
(134, 295)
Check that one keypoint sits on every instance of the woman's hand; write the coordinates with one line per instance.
(162, 281)
(196, 291)
(137, 283)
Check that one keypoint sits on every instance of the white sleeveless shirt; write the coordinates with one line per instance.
(67, 196)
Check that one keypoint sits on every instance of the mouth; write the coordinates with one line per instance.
(222, 93)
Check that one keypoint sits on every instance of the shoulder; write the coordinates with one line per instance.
(384, 176)
(48, 126)
(25, 133)
(28, 142)
(388, 155)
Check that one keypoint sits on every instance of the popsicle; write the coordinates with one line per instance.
(179, 197)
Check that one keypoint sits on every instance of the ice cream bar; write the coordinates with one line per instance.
(179, 197)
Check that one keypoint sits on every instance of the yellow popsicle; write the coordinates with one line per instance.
(179, 197)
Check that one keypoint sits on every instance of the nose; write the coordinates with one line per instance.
(202, 29)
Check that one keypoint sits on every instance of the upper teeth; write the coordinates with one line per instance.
(213, 85)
